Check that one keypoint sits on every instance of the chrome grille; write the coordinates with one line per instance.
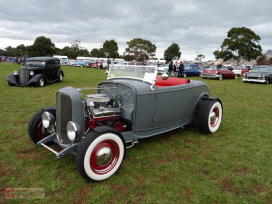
(64, 115)
(254, 77)
(23, 76)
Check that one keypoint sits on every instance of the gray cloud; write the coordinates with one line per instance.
(197, 26)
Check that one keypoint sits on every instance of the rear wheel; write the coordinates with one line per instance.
(235, 76)
(40, 83)
(209, 116)
(99, 156)
(184, 75)
(36, 131)
(61, 77)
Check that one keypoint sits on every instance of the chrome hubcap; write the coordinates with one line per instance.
(103, 156)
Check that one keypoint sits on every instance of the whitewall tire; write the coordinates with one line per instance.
(99, 156)
(210, 116)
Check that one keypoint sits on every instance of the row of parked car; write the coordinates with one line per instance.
(259, 74)
(91, 63)
(41, 70)
(214, 71)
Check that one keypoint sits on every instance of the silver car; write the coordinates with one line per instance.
(259, 74)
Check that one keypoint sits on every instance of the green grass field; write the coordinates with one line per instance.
(233, 165)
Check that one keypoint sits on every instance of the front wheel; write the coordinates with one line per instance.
(221, 77)
(40, 83)
(36, 131)
(10, 84)
(267, 80)
(99, 155)
(209, 116)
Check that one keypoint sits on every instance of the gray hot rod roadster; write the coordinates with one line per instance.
(132, 104)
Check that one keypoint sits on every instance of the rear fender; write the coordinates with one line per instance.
(61, 72)
(213, 99)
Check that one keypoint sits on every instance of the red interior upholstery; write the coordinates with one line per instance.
(171, 81)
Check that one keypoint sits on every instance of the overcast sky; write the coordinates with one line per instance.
(197, 26)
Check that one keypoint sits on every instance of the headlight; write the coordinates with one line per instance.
(47, 119)
(72, 130)
(31, 73)
(15, 73)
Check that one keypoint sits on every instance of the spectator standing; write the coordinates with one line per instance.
(109, 63)
(143, 62)
(171, 68)
(181, 69)
(175, 69)
(19, 60)
(101, 64)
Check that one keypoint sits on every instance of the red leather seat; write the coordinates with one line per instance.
(171, 81)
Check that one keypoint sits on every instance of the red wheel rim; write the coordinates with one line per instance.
(104, 156)
(39, 130)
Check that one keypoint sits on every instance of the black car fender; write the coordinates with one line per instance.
(13, 78)
(61, 72)
(36, 78)
(49, 108)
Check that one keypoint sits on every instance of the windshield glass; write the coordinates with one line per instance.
(213, 67)
(34, 64)
(143, 73)
(261, 69)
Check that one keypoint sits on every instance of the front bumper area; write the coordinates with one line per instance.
(213, 76)
(67, 150)
(254, 80)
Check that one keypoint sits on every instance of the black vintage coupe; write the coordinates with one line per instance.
(37, 71)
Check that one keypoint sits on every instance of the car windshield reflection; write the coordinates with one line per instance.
(34, 64)
(143, 73)
(261, 69)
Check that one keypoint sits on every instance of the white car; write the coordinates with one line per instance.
(71, 62)
(161, 68)
(239, 71)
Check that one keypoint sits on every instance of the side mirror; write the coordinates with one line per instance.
(164, 76)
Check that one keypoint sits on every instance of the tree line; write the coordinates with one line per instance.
(241, 44)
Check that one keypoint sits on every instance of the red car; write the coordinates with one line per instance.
(218, 72)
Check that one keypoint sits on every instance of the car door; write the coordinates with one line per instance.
(51, 70)
(227, 73)
(168, 105)
(195, 70)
